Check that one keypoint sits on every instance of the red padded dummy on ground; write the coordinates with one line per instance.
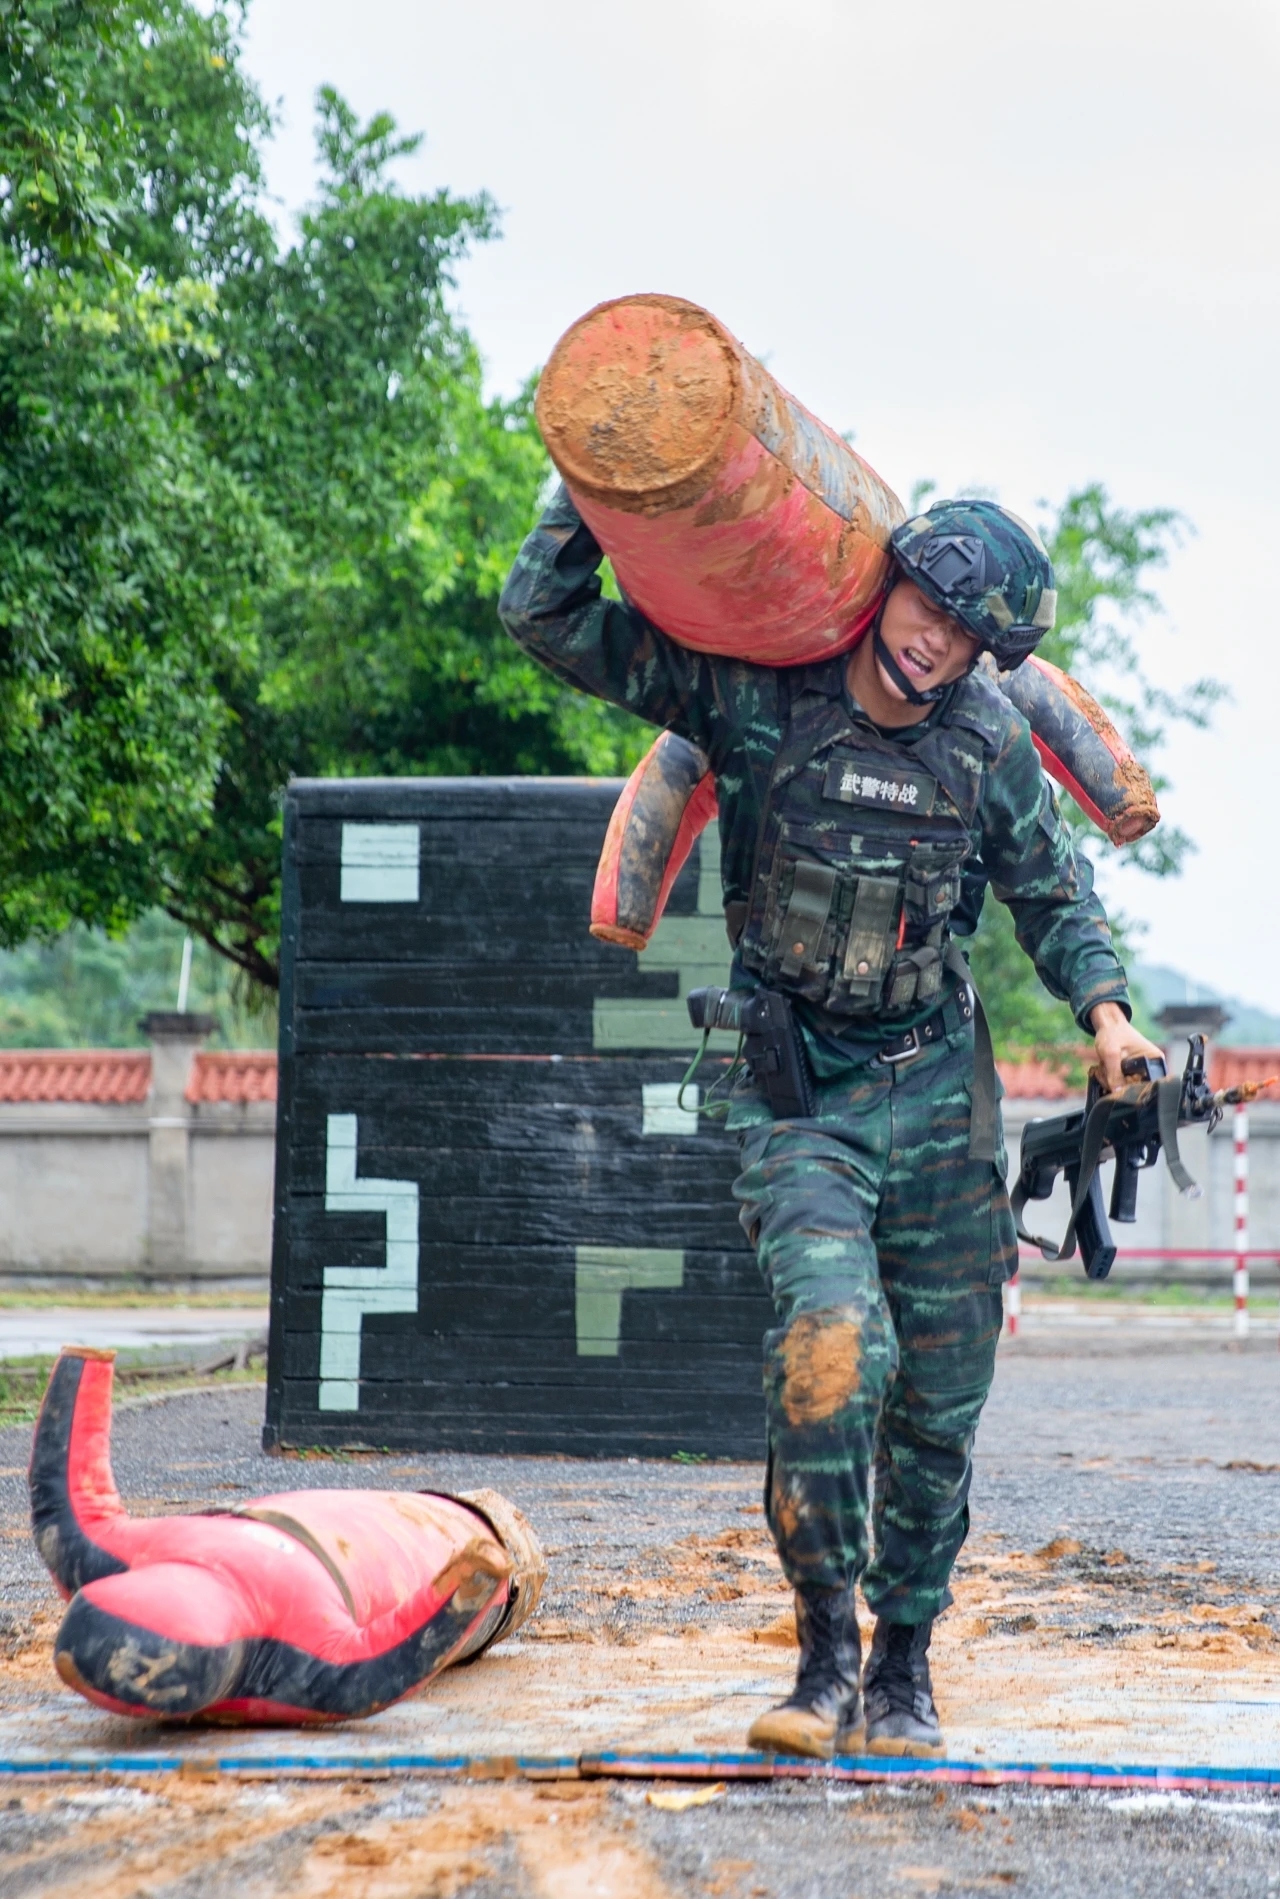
(315, 1605)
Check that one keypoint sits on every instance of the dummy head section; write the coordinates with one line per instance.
(74, 1502)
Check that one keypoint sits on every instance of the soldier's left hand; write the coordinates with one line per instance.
(1116, 1040)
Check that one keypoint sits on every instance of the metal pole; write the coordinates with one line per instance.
(184, 975)
(1242, 1221)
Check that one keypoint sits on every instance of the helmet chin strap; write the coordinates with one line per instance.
(899, 678)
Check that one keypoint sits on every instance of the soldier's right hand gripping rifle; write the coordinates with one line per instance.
(1130, 1126)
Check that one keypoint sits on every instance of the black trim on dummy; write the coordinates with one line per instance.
(179, 1680)
(72, 1558)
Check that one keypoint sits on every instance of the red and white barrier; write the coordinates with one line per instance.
(1240, 1255)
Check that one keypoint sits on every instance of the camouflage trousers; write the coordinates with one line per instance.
(884, 1249)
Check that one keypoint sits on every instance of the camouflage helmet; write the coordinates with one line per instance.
(987, 568)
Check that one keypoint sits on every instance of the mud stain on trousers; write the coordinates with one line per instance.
(821, 1365)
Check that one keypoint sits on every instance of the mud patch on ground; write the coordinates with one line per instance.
(26, 1648)
(128, 1840)
(700, 1634)
(1091, 1644)
(1067, 1592)
(352, 1840)
(737, 1564)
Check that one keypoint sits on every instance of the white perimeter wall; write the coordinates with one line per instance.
(100, 1192)
(84, 1191)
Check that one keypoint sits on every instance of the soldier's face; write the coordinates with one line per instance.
(931, 648)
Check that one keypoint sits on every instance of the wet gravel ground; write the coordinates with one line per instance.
(812, 1844)
(1173, 1457)
(787, 1842)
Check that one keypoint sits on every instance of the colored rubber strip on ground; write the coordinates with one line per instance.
(1095, 1776)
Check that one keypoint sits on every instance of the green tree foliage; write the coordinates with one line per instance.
(86, 989)
(256, 510)
(52, 199)
(184, 168)
(130, 557)
(349, 401)
(129, 560)
(1103, 558)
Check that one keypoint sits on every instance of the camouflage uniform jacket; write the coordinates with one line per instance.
(748, 718)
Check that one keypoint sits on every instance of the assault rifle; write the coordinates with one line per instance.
(1131, 1126)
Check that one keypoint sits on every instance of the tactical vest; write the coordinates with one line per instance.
(860, 850)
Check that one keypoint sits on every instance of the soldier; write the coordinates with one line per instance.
(865, 804)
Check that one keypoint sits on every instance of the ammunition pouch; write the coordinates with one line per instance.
(858, 944)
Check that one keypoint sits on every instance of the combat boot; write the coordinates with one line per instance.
(823, 1713)
(900, 1715)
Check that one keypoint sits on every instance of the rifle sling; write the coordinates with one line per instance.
(982, 1105)
(1168, 1102)
(1091, 1148)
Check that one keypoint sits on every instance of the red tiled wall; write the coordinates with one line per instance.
(237, 1075)
(122, 1076)
(111, 1075)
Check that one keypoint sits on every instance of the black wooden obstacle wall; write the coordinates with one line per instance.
(494, 1230)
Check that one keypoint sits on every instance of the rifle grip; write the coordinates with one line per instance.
(1093, 1234)
(1124, 1186)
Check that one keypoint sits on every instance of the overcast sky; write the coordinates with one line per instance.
(1022, 246)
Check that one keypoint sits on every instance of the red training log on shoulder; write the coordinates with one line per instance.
(735, 519)
(1081, 748)
(308, 1606)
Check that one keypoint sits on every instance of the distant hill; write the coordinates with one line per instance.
(1249, 1027)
